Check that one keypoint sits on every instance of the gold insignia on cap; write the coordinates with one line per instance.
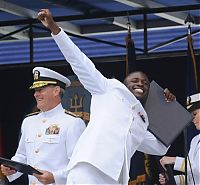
(36, 75)
(39, 84)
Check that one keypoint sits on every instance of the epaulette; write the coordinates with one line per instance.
(71, 113)
(32, 114)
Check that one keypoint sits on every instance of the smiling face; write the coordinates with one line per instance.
(47, 97)
(138, 83)
(196, 119)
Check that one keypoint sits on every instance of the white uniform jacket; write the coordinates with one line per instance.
(115, 130)
(194, 156)
(47, 142)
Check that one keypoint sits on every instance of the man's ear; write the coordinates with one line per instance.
(57, 90)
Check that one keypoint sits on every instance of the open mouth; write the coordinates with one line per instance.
(140, 91)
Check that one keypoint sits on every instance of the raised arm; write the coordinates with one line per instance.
(82, 66)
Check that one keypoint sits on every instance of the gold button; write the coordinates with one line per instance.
(37, 151)
(39, 135)
(44, 120)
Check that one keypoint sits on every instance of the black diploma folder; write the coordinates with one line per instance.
(20, 167)
(166, 119)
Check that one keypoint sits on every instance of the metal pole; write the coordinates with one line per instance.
(189, 20)
(31, 43)
(145, 35)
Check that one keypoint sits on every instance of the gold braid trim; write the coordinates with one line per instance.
(147, 164)
(182, 180)
(32, 114)
(183, 166)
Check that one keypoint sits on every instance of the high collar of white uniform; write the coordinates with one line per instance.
(53, 111)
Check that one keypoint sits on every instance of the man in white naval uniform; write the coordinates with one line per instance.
(193, 163)
(49, 136)
(118, 123)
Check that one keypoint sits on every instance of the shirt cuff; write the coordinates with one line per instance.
(179, 164)
(60, 176)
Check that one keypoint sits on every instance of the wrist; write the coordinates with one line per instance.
(54, 29)
(173, 160)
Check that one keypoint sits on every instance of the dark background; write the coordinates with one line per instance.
(16, 100)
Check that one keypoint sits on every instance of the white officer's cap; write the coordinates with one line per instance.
(193, 102)
(44, 76)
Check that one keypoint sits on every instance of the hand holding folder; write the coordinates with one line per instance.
(20, 167)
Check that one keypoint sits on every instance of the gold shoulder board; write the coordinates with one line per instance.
(32, 114)
(71, 113)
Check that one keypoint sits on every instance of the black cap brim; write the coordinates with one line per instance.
(194, 106)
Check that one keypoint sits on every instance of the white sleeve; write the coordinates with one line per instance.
(194, 155)
(82, 66)
(151, 145)
(73, 134)
(179, 164)
(193, 166)
(180, 179)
